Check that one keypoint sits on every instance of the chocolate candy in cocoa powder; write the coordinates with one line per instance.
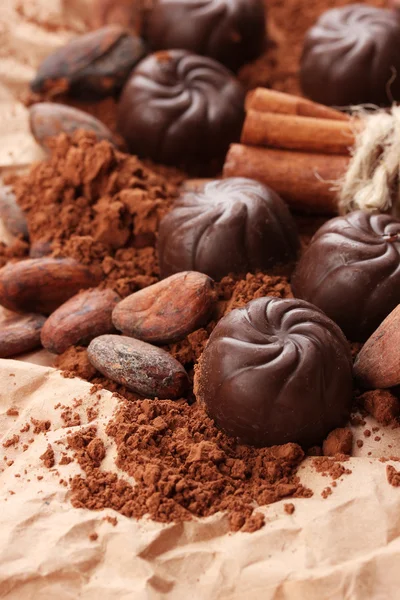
(181, 109)
(235, 225)
(93, 65)
(230, 31)
(276, 371)
(352, 56)
(351, 271)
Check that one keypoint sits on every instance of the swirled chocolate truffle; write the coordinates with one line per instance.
(276, 371)
(352, 56)
(181, 109)
(235, 225)
(230, 31)
(351, 271)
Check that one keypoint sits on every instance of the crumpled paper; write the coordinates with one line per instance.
(346, 546)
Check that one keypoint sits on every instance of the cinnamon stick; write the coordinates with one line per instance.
(305, 180)
(291, 132)
(265, 100)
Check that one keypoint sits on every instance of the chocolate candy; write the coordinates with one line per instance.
(234, 225)
(276, 371)
(352, 56)
(351, 270)
(231, 31)
(181, 109)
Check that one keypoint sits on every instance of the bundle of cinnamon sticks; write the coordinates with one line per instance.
(299, 148)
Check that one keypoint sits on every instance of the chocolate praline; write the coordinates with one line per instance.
(276, 371)
(231, 31)
(181, 109)
(352, 56)
(232, 225)
(351, 270)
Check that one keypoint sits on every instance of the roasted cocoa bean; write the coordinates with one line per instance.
(19, 333)
(48, 120)
(168, 310)
(40, 248)
(11, 214)
(79, 320)
(43, 284)
(142, 368)
(93, 65)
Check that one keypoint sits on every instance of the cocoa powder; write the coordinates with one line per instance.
(183, 467)
(99, 206)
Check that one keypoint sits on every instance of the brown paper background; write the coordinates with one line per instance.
(344, 547)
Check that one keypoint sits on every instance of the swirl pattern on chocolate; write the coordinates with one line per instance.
(351, 270)
(352, 56)
(276, 371)
(230, 31)
(181, 109)
(233, 225)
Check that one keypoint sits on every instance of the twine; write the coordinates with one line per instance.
(372, 180)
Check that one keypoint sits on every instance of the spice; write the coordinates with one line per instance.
(48, 457)
(339, 441)
(382, 405)
(183, 467)
(98, 206)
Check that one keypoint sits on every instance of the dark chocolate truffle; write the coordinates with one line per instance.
(181, 109)
(276, 371)
(352, 56)
(351, 270)
(233, 225)
(231, 31)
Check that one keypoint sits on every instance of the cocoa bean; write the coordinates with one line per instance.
(79, 320)
(43, 284)
(377, 364)
(168, 310)
(93, 65)
(39, 249)
(11, 214)
(19, 333)
(142, 368)
(48, 120)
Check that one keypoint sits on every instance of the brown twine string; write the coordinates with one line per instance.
(372, 180)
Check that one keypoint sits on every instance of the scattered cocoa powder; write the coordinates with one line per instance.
(289, 508)
(12, 412)
(339, 441)
(326, 492)
(40, 426)
(183, 467)
(70, 418)
(382, 405)
(331, 466)
(48, 457)
(93, 537)
(393, 476)
(12, 441)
